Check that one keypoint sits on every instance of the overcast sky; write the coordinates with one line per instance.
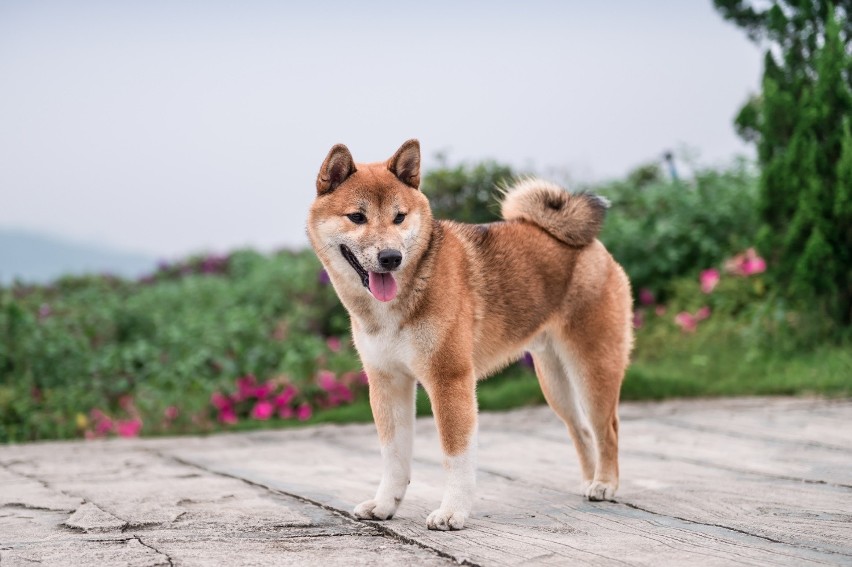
(169, 127)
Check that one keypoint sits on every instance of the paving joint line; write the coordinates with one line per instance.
(674, 422)
(382, 529)
(730, 528)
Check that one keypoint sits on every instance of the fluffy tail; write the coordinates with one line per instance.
(575, 219)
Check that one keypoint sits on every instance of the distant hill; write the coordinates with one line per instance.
(39, 258)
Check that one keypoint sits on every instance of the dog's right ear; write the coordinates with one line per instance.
(336, 169)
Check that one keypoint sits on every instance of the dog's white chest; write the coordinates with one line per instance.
(390, 350)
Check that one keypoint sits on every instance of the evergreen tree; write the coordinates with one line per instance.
(843, 211)
(801, 127)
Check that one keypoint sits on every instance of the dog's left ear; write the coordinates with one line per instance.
(405, 163)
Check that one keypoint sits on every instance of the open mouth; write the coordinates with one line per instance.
(381, 285)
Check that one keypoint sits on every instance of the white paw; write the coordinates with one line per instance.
(444, 520)
(597, 490)
(375, 510)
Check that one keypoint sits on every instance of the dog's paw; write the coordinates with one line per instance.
(597, 491)
(444, 520)
(374, 510)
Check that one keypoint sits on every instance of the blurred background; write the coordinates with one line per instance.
(157, 160)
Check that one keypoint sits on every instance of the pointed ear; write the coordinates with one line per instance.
(405, 163)
(336, 169)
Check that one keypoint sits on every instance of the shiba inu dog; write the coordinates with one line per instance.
(446, 304)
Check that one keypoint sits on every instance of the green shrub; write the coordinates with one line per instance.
(662, 230)
(800, 124)
(466, 192)
(172, 339)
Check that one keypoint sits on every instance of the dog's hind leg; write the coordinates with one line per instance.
(560, 395)
(598, 385)
(392, 402)
(594, 346)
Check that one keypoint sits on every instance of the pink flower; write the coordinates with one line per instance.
(702, 313)
(171, 413)
(129, 428)
(363, 379)
(126, 402)
(227, 415)
(44, 311)
(341, 394)
(304, 412)
(336, 392)
(660, 310)
(97, 414)
(285, 397)
(263, 391)
(326, 380)
(334, 344)
(753, 266)
(638, 319)
(286, 412)
(103, 426)
(245, 387)
(686, 322)
(220, 401)
(646, 296)
(262, 410)
(747, 263)
(709, 279)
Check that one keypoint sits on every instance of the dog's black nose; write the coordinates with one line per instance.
(390, 259)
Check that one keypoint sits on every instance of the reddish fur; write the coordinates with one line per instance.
(476, 295)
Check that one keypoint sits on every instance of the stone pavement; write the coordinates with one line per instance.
(754, 481)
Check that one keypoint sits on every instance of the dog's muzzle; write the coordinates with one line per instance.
(356, 265)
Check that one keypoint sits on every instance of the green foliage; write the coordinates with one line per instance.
(83, 343)
(465, 192)
(796, 26)
(662, 230)
(799, 125)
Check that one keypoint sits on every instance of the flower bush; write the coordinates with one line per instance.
(661, 231)
(743, 265)
(169, 340)
(279, 398)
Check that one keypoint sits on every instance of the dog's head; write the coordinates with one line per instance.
(369, 222)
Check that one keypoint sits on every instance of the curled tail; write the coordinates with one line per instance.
(575, 219)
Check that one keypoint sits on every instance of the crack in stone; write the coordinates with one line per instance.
(382, 529)
(41, 482)
(166, 555)
(25, 506)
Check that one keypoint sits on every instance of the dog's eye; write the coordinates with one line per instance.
(357, 218)
(399, 218)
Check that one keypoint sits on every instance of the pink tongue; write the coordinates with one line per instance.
(382, 286)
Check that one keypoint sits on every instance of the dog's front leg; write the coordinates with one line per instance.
(453, 400)
(392, 402)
